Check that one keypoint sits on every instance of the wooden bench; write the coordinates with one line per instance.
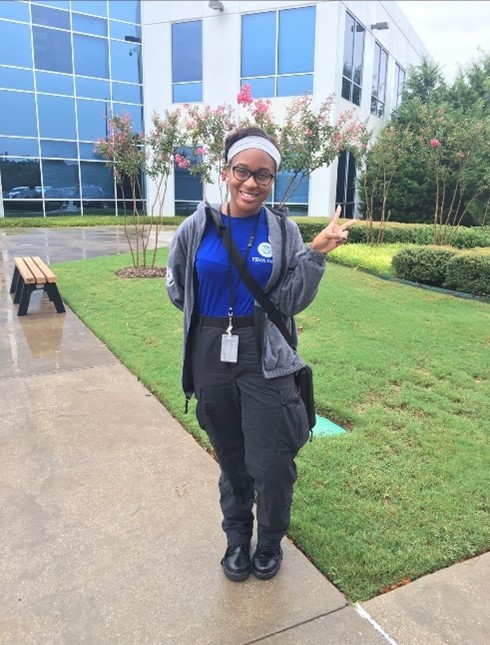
(31, 273)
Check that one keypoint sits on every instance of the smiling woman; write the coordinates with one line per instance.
(236, 361)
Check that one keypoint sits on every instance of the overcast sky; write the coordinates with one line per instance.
(452, 30)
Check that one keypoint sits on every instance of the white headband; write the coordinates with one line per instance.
(259, 143)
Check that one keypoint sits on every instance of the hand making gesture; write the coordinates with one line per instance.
(332, 235)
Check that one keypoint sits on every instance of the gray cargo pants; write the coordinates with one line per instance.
(256, 427)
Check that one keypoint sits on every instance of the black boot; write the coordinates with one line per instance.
(236, 562)
(266, 561)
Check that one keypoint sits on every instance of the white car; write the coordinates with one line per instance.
(19, 191)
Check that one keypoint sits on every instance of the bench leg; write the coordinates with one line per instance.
(25, 298)
(15, 277)
(54, 295)
(18, 289)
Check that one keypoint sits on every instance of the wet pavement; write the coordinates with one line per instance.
(110, 525)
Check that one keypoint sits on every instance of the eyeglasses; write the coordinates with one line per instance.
(262, 177)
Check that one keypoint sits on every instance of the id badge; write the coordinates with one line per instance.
(229, 348)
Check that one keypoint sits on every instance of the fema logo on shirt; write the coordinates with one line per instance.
(265, 250)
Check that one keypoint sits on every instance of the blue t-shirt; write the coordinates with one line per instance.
(213, 265)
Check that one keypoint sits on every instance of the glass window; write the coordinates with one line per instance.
(128, 10)
(50, 17)
(57, 4)
(294, 85)
(89, 25)
(127, 93)
(60, 149)
(14, 10)
(123, 31)
(62, 177)
(379, 81)
(92, 119)
(18, 114)
(353, 60)
(54, 83)
(187, 92)
(125, 61)
(187, 187)
(263, 87)
(346, 182)
(52, 50)
(56, 117)
(398, 86)
(18, 147)
(19, 177)
(15, 44)
(187, 60)
(92, 89)
(269, 48)
(135, 112)
(87, 151)
(91, 56)
(97, 181)
(16, 79)
(301, 184)
(93, 7)
(259, 44)
(296, 26)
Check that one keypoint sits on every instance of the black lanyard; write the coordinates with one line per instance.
(240, 273)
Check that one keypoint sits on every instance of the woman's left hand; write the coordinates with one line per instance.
(332, 235)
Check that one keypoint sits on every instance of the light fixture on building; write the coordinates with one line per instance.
(380, 25)
(217, 5)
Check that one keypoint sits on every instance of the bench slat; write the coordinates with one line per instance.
(49, 275)
(35, 270)
(25, 271)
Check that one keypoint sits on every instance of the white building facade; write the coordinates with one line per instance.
(203, 52)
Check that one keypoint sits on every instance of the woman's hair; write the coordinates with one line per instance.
(240, 133)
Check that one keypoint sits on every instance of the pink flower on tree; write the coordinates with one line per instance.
(435, 143)
(244, 96)
(181, 161)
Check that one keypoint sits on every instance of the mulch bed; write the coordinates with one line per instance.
(141, 272)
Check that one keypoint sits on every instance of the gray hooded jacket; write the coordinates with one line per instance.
(292, 286)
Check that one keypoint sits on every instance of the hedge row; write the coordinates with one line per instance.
(462, 238)
(442, 267)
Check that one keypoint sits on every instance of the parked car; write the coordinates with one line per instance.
(20, 191)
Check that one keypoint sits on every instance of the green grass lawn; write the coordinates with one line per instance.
(406, 371)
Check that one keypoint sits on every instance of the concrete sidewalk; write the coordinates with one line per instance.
(110, 524)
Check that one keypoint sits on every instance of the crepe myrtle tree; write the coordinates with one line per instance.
(124, 152)
(308, 137)
(162, 143)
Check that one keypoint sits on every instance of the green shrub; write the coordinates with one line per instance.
(469, 272)
(396, 233)
(425, 264)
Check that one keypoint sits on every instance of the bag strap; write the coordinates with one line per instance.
(257, 292)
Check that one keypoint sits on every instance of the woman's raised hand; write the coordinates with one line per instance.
(332, 235)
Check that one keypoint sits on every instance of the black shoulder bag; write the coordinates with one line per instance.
(304, 377)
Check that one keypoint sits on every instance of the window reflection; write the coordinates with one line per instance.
(18, 113)
(135, 111)
(54, 83)
(93, 7)
(127, 93)
(92, 119)
(128, 10)
(92, 89)
(13, 147)
(14, 10)
(52, 50)
(97, 181)
(15, 44)
(123, 30)
(125, 61)
(91, 56)
(353, 60)
(50, 17)
(20, 176)
(62, 179)
(56, 117)
(187, 61)
(60, 149)
(87, 151)
(89, 25)
(18, 79)
(346, 180)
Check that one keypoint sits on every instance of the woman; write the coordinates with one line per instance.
(236, 361)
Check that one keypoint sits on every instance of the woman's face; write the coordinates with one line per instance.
(247, 197)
